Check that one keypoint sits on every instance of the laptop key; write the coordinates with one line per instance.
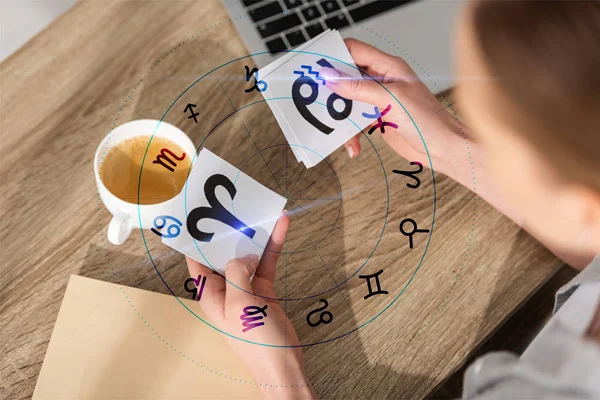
(276, 45)
(330, 6)
(292, 3)
(314, 30)
(295, 38)
(279, 25)
(311, 13)
(266, 11)
(337, 22)
(249, 3)
(377, 7)
(350, 2)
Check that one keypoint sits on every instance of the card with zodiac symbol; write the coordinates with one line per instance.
(225, 214)
(314, 119)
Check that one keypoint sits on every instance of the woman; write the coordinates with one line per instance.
(529, 90)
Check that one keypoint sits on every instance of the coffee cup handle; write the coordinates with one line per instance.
(119, 228)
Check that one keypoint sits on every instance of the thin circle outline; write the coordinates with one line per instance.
(410, 279)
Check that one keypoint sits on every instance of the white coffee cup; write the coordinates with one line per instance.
(125, 214)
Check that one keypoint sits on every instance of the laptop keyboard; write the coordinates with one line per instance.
(285, 24)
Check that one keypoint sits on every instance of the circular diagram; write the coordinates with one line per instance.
(360, 227)
(329, 211)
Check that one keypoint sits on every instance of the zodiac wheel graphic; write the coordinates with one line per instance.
(327, 209)
(360, 228)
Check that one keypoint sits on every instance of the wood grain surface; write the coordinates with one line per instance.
(107, 62)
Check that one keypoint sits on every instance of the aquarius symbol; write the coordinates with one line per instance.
(380, 123)
(248, 318)
(309, 71)
(160, 222)
(254, 72)
(322, 316)
(216, 210)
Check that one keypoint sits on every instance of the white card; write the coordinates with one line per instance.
(316, 140)
(269, 69)
(246, 213)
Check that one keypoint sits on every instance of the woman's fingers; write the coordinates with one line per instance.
(239, 290)
(382, 67)
(362, 89)
(353, 146)
(367, 56)
(386, 65)
(213, 290)
(268, 263)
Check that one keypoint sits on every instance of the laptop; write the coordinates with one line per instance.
(418, 30)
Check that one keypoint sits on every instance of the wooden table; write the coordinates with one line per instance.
(103, 63)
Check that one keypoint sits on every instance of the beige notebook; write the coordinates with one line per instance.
(102, 349)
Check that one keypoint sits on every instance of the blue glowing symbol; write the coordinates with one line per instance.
(173, 230)
(259, 85)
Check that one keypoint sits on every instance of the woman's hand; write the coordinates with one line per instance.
(438, 127)
(443, 134)
(224, 304)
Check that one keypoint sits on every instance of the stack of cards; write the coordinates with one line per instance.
(223, 213)
(314, 120)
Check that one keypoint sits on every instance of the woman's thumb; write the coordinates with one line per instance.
(361, 89)
(238, 272)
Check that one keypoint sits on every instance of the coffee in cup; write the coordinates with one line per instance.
(135, 202)
(165, 169)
